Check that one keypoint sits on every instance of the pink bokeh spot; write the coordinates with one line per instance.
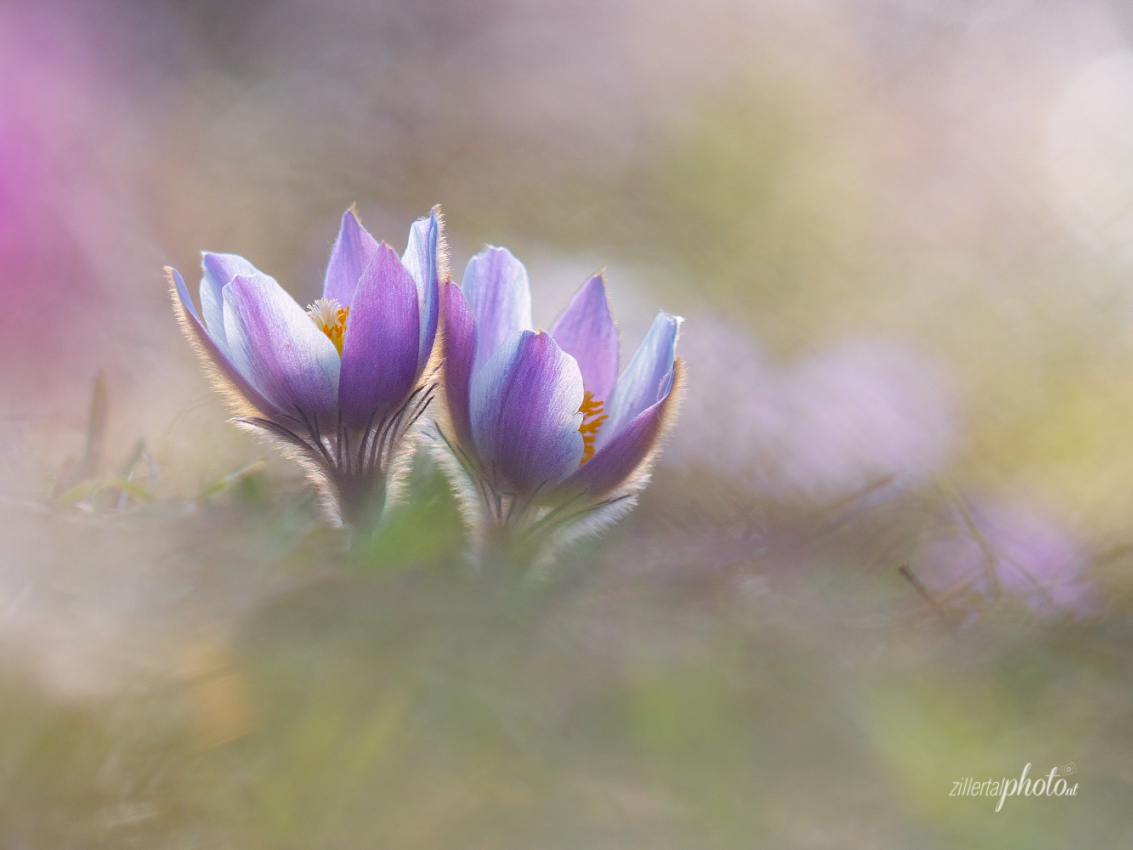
(823, 425)
(61, 168)
(1033, 560)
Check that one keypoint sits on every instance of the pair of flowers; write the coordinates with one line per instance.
(538, 429)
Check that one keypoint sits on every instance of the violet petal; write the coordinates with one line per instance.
(460, 348)
(423, 259)
(216, 353)
(379, 354)
(276, 346)
(623, 455)
(645, 381)
(219, 270)
(525, 418)
(353, 251)
(496, 287)
(586, 331)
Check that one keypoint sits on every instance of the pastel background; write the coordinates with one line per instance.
(889, 544)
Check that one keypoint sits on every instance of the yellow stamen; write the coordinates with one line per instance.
(330, 319)
(592, 419)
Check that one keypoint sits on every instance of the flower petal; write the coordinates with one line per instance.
(586, 331)
(425, 259)
(525, 418)
(276, 346)
(460, 348)
(624, 457)
(219, 270)
(646, 380)
(199, 334)
(495, 284)
(379, 355)
(353, 251)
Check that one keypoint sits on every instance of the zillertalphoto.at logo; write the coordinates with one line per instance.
(1054, 784)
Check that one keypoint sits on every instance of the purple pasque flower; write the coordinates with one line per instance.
(342, 382)
(547, 431)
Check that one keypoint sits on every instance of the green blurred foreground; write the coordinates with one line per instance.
(716, 673)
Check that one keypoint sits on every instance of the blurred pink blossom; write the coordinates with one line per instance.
(1030, 557)
(66, 157)
(827, 424)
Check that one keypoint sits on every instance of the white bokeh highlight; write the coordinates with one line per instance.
(1088, 153)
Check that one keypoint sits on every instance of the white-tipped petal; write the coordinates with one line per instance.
(646, 380)
(276, 346)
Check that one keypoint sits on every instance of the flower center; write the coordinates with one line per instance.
(592, 419)
(330, 319)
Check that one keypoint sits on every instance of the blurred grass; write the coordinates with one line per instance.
(391, 698)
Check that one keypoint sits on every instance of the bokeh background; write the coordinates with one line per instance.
(889, 544)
